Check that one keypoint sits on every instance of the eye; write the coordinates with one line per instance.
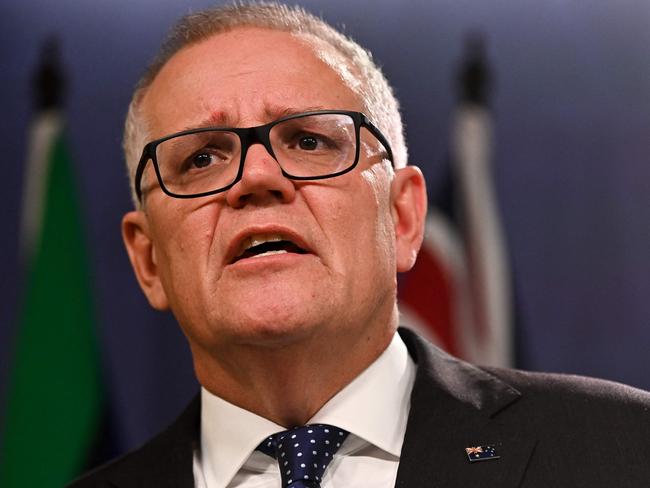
(312, 142)
(206, 157)
(308, 143)
(201, 160)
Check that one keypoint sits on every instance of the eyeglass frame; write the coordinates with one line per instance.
(258, 135)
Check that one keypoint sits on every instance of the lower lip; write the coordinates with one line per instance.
(271, 260)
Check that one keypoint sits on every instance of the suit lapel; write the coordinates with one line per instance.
(455, 405)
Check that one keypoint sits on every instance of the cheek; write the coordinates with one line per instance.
(378, 184)
(360, 228)
(183, 240)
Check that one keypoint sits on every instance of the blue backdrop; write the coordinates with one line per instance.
(572, 108)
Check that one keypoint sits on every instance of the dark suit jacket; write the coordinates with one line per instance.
(549, 430)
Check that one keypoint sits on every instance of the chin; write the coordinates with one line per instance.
(274, 334)
(273, 324)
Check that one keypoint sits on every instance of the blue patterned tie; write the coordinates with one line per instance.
(303, 453)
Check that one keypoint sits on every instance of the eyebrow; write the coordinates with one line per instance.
(220, 118)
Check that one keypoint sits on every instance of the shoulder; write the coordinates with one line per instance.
(579, 417)
(563, 391)
(541, 390)
(591, 408)
(164, 461)
(542, 403)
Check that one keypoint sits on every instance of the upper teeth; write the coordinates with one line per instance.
(253, 241)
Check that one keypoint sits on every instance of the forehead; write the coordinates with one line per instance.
(244, 77)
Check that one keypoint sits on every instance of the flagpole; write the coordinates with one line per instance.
(491, 340)
(54, 395)
(48, 87)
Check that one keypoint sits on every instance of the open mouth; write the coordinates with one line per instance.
(258, 246)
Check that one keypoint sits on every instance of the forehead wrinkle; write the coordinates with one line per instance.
(274, 112)
(221, 118)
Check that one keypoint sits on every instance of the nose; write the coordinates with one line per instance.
(261, 182)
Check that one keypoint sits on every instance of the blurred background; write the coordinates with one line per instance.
(570, 110)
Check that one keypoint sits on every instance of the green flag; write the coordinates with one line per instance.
(53, 406)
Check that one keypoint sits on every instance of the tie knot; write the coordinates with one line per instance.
(303, 453)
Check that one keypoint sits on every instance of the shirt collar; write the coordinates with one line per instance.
(374, 407)
(228, 435)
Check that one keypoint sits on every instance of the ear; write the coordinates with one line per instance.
(142, 253)
(409, 210)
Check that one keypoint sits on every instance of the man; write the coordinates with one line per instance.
(274, 207)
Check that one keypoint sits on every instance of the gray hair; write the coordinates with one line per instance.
(366, 79)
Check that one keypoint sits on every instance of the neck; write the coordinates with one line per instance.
(288, 384)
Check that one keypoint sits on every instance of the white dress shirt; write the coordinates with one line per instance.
(374, 408)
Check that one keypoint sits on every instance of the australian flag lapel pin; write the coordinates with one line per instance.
(482, 453)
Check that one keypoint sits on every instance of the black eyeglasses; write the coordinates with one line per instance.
(307, 146)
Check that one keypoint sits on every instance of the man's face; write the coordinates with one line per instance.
(343, 285)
